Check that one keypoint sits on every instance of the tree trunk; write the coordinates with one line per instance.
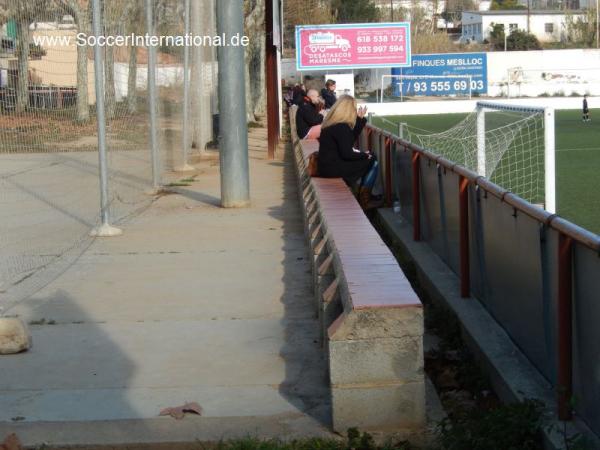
(83, 110)
(255, 61)
(201, 116)
(132, 81)
(23, 36)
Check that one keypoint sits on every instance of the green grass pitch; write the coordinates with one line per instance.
(577, 160)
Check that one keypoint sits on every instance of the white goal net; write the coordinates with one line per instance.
(513, 146)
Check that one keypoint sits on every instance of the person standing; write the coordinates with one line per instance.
(586, 110)
(328, 94)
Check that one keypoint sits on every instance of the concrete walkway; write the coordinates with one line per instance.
(193, 303)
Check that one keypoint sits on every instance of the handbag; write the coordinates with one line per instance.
(313, 164)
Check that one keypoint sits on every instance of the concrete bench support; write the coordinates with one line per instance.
(376, 370)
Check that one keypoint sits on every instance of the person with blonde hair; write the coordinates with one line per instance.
(337, 156)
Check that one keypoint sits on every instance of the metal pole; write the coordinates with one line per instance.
(185, 167)
(272, 82)
(152, 98)
(463, 202)
(388, 172)
(233, 130)
(105, 229)
(416, 196)
(401, 126)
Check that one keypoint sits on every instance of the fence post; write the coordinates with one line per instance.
(465, 274)
(416, 195)
(401, 129)
(388, 171)
(105, 229)
(152, 100)
(185, 167)
(565, 326)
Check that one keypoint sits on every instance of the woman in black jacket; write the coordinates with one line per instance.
(309, 116)
(337, 156)
(298, 94)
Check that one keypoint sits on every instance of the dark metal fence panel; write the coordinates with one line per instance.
(514, 285)
(476, 245)
(586, 334)
(514, 266)
(432, 225)
(549, 248)
(363, 143)
(402, 177)
(440, 211)
(450, 216)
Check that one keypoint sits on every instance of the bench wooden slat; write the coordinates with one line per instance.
(372, 273)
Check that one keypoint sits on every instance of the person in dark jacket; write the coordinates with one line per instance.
(298, 94)
(328, 94)
(309, 116)
(337, 156)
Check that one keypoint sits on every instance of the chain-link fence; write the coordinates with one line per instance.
(49, 151)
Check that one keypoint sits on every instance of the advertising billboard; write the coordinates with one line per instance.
(443, 74)
(352, 46)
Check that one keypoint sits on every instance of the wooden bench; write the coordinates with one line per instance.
(371, 319)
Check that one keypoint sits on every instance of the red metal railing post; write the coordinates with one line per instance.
(388, 172)
(272, 83)
(565, 326)
(463, 201)
(416, 196)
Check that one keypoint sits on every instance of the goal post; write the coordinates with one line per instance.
(511, 145)
(430, 85)
(550, 160)
(549, 153)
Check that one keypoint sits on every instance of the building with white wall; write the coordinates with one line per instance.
(547, 26)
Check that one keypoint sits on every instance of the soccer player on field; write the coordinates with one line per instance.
(586, 111)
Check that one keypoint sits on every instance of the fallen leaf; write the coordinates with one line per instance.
(178, 412)
(11, 443)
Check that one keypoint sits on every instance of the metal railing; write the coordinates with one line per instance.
(537, 273)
